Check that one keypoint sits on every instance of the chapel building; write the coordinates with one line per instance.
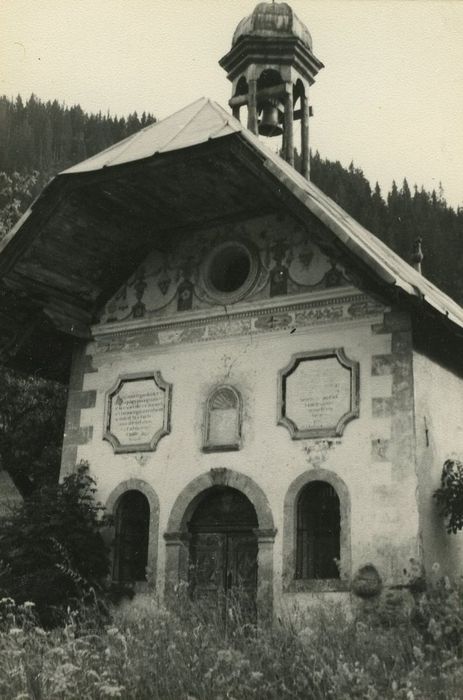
(264, 391)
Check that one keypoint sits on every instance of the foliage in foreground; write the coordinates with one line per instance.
(52, 549)
(31, 429)
(150, 653)
(450, 494)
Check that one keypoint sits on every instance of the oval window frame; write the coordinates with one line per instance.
(249, 283)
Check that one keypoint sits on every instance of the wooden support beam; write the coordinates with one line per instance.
(288, 129)
(70, 283)
(252, 106)
(68, 325)
(305, 152)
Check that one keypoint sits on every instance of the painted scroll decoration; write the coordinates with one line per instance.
(318, 394)
(137, 412)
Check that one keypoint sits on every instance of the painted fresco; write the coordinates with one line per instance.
(278, 259)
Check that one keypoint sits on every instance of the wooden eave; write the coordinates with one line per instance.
(283, 51)
(93, 226)
(89, 232)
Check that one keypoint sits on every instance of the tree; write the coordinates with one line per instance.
(16, 191)
(52, 546)
(31, 429)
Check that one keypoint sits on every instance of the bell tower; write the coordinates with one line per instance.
(271, 67)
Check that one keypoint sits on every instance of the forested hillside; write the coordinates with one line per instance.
(49, 137)
(401, 217)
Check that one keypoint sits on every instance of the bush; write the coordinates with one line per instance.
(52, 549)
(450, 495)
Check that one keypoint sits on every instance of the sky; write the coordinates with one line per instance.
(390, 97)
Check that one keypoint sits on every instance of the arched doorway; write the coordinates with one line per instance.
(223, 550)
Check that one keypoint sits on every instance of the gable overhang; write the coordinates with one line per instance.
(94, 224)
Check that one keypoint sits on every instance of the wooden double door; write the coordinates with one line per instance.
(223, 554)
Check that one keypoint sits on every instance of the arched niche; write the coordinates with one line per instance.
(113, 504)
(222, 421)
(293, 578)
(178, 533)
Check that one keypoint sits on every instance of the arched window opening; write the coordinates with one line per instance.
(223, 420)
(242, 87)
(318, 532)
(132, 537)
(269, 78)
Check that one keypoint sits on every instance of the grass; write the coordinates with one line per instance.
(146, 651)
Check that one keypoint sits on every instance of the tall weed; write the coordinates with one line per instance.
(192, 651)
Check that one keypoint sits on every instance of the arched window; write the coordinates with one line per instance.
(132, 536)
(223, 420)
(318, 546)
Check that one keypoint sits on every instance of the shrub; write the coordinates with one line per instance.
(52, 548)
(450, 495)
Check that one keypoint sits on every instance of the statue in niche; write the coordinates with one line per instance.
(334, 276)
(223, 420)
(279, 273)
(139, 285)
(185, 289)
(185, 295)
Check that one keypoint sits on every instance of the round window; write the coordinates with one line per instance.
(230, 271)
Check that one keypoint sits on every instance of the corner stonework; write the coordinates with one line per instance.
(78, 399)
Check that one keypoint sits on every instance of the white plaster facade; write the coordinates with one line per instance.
(197, 350)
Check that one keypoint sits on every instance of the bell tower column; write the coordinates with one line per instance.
(305, 149)
(252, 106)
(288, 125)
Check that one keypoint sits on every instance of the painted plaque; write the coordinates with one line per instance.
(137, 412)
(318, 394)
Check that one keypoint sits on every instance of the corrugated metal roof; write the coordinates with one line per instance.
(204, 120)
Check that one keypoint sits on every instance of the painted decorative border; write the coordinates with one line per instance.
(329, 431)
(164, 430)
(200, 327)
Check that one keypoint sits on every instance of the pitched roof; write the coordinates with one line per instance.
(205, 120)
(196, 123)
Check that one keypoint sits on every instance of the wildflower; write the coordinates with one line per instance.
(112, 691)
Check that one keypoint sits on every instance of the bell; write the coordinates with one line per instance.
(268, 125)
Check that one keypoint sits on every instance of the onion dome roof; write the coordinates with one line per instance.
(273, 20)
